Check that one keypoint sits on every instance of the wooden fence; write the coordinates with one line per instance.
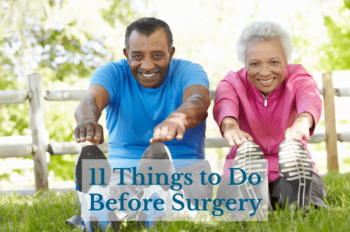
(38, 148)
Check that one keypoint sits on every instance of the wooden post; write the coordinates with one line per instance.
(329, 121)
(37, 124)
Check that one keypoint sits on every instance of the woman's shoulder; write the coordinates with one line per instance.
(236, 78)
(296, 71)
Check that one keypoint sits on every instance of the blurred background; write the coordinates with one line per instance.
(66, 40)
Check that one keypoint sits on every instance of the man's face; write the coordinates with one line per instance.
(149, 57)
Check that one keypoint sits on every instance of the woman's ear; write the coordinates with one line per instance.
(285, 62)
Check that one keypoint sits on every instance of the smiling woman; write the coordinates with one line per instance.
(276, 105)
(265, 64)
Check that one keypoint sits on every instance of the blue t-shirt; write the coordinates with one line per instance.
(134, 111)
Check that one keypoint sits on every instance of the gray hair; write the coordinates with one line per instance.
(264, 31)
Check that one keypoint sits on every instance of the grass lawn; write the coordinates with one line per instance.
(48, 211)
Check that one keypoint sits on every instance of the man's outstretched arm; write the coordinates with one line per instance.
(193, 110)
(88, 113)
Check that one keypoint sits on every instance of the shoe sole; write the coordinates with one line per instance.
(91, 153)
(296, 167)
(152, 156)
(250, 158)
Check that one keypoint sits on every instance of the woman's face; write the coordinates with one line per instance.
(265, 64)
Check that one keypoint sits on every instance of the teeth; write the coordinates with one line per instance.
(267, 81)
(148, 75)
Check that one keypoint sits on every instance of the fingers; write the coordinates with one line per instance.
(171, 134)
(237, 137)
(156, 134)
(77, 135)
(163, 137)
(180, 134)
(297, 134)
(307, 136)
(287, 134)
(91, 132)
(98, 138)
(167, 131)
(250, 138)
(82, 135)
(230, 138)
(240, 138)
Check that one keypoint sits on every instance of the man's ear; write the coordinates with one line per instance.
(172, 51)
(126, 53)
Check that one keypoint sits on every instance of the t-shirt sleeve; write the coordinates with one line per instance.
(193, 74)
(108, 76)
(308, 100)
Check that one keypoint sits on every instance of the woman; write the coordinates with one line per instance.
(263, 104)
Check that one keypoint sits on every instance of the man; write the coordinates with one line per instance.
(149, 98)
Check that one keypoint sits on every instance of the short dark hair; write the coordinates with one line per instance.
(147, 26)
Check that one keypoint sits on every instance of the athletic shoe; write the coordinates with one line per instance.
(151, 215)
(295, 167)
(97, 160)
(101, 219)
(155, 192)
(158, 157)
(76, 221)
(250, 158)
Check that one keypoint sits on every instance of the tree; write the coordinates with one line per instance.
(65, 41)
(60, 38)
(336, 53)
(323, 47)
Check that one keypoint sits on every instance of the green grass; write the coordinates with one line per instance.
(48, 211)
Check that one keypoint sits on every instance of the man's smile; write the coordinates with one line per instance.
(148, 75)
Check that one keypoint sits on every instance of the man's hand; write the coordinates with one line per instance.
(89, 130)
(300, 128)
(87, 114)
(169, 129)
(232, 133)
(196, 100)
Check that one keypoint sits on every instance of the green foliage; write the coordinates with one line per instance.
(48, 211)
(336, 54)
(65, 41)
(329, 52)
(68, 37)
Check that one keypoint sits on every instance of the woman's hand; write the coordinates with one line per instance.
(232, 133)
(300, 128)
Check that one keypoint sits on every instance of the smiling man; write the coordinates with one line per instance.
(149, 98)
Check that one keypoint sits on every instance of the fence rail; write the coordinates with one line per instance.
(15, 97)
(38, 148)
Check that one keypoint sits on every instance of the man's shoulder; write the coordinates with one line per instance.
(181, 65)
(116, 66)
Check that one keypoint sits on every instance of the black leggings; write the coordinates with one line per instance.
(318, 191)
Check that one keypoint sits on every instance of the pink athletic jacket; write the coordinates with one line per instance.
(267, 119)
